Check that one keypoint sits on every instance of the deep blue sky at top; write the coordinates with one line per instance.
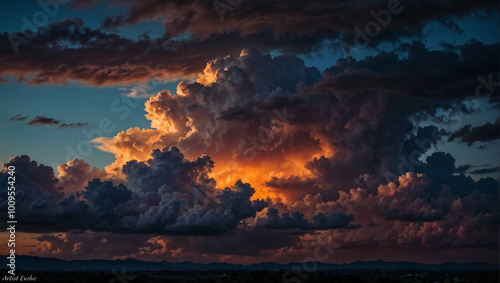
(81, 103)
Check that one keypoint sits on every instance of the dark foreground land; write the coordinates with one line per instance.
(348, 276)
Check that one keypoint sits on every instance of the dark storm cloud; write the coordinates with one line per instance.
(34, 179)
(170, 195)
(418, 210)
(377, 97)
(168, 167)
(43, 121)
(39, 201)
(422, 73)
(440, 167)
(194, 34)
(108, 202)
(96, 60)
(376, 143)
(470, 135)
(443, 161)
(321, 19)
(100, 58)
(179, 195)
(18, 117)
(414, 147)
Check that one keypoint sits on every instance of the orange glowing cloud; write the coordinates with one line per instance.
(238, 119)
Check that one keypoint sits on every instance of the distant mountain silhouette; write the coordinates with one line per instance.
(39, 263)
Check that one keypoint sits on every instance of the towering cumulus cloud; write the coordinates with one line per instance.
(241, 113)
(281, 126)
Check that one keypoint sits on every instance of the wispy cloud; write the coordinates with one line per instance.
(43, 121)
(18, 117)
(72, 125)
(486, 171)
(47, 121)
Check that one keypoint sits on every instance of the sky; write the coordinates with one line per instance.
(251, 131)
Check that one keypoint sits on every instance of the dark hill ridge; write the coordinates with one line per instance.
(38, 263)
